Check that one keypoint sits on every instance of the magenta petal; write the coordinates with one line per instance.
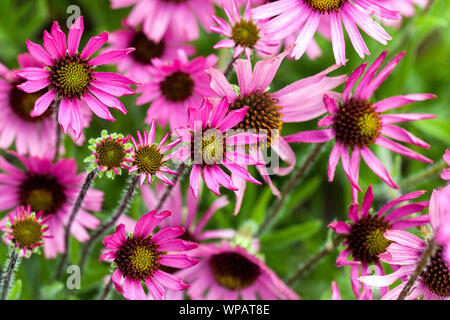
(398, 101)
(176, 245)
(194, 180)
(110, 57)
(340, 227)
(367, 202)
(39, 53)
(400, 149)
(94, 44)
(132, 290)
(168, 233)
(98, 107)
(32, 86)
(315, 136)
(333, 161)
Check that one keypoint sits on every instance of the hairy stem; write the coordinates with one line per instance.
(83, 191)
(423, 262)
(424, 175)
(108, 224)
(9, 271)
(314, 260)
(290, 186)
(229, 67)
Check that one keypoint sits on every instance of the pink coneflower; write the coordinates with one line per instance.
(226, 272)
(110, 153)
(404, 7)
(174, 86)
(148, 158)
(71, 78)
(52, 189)
(209, 147)
(364, 239)
(140, 256)
(193, 230)
(359, 123)
(135, 64)
(33, 136)
(243, 34)
(446, 173)
(307, 16)
(267, 111)
(440, 205)
(406, 251)
(178, 17)
(25, 229)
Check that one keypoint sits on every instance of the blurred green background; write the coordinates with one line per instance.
(301, 230)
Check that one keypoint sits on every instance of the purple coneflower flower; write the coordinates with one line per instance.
(25, 230)
(243, 34)
(308, 15)
(364, 239)
(140, 256)
(135, 64)
(71, 77)
(209, 147)
(177, 17)
(148, 157)
(227, 272)
(174, 86)
(357, 123)
(446, 173)
(52, 189)
(267, 111)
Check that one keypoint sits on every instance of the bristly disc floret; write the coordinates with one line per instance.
(138, 258)
(245, 33)
(110, 153)
(71, 76)
(234, 271)
(366, 240)
(436, 276)
(357, 123)
(263, 114)
(325, 6)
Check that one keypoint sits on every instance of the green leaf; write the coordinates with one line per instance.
(289, 235)
(51, 291)
(15, 292)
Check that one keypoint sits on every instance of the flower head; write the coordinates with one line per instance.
(208, 146)
(358, 123)
(406, 250)
(305, 17)
(174, 86)
(135, 64)
(177, 17)
(243, 34)
(71, 77)
(52, 189)
(110, 153)
(148, 157)
(446, 174)
(227, 272)
(140, 256)
(364, 234)
(26, 230)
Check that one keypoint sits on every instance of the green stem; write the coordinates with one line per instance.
(9, 271)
